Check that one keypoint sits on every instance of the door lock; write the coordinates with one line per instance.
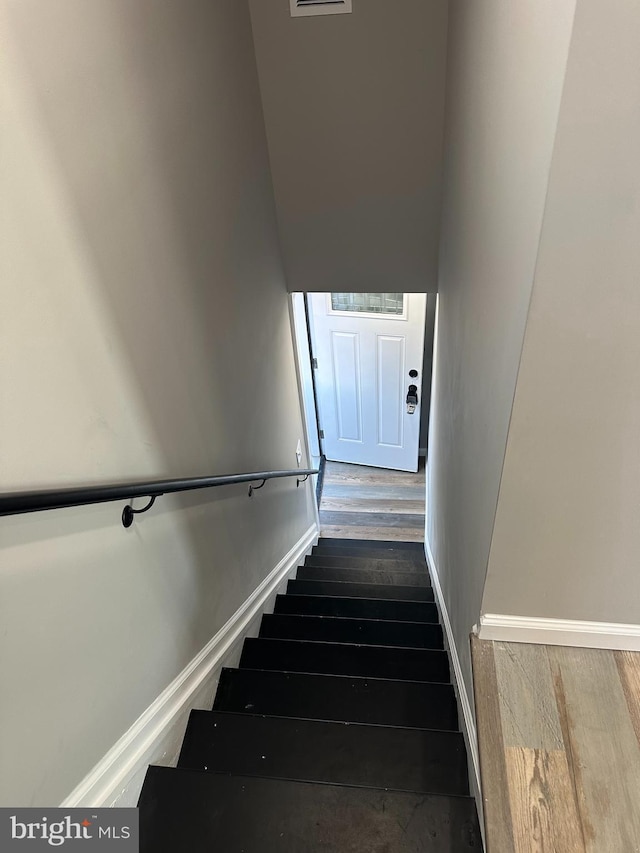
(412, 399)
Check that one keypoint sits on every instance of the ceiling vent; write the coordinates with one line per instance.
(301, 8)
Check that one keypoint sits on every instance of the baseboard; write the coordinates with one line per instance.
(468, 719)
(157, 734)
(559, 632)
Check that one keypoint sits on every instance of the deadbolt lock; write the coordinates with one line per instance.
(412, 399)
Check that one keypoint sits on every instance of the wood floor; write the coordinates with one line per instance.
(372, 503)
(559, 737)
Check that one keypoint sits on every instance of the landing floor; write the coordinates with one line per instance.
(372, 503)
(559, 736)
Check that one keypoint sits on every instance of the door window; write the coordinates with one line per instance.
(385, 304)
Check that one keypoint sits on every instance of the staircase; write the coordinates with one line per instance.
(338, 733)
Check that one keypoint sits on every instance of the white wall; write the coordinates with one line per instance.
(144, 332)
(354, 114)
(567, 538)
(506, 67)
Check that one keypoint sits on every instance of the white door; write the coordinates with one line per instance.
(368, 350)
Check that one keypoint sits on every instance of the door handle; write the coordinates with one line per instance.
(412, 399)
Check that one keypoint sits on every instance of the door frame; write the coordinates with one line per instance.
(306, 389)
(299, 313)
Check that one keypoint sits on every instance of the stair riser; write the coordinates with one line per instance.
(362, 576)
(360, 631)
(338, 659)
(357, 608)
(340, 698)
(380, 544)
(372, 553)
(319, 751)
(360, 590)
(379, 565)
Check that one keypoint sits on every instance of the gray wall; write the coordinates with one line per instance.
(354, 110)
(144, 332)
(505, 73)
(567, 537)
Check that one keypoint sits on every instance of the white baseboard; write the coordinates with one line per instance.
(468, 719)
(559, 632)
(157, 734)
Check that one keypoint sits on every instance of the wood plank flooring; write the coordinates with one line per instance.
(359, 502)
(559, 738)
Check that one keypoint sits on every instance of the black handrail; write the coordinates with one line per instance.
(14, 503)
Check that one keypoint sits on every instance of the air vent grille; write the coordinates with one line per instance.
(319, 7)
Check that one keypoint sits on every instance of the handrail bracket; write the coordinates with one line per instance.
(128, 512)
(253, 489)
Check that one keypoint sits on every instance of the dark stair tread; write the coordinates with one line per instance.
(345, 659)
(338, 697)
(376, 564)
(417, 557)
(393, 578)
(361, 631)
(419, 760)
(357, 608)
(381, 544)
(343, 589)
(206, 812)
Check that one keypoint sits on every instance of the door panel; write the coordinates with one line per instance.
(390, 376)
(346, 383)
(365, 345)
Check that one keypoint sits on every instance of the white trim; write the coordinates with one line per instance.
(469, 729)
(306, 391)
(117, 777)
(560, 632)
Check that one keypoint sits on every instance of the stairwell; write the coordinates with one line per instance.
(337, 732)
